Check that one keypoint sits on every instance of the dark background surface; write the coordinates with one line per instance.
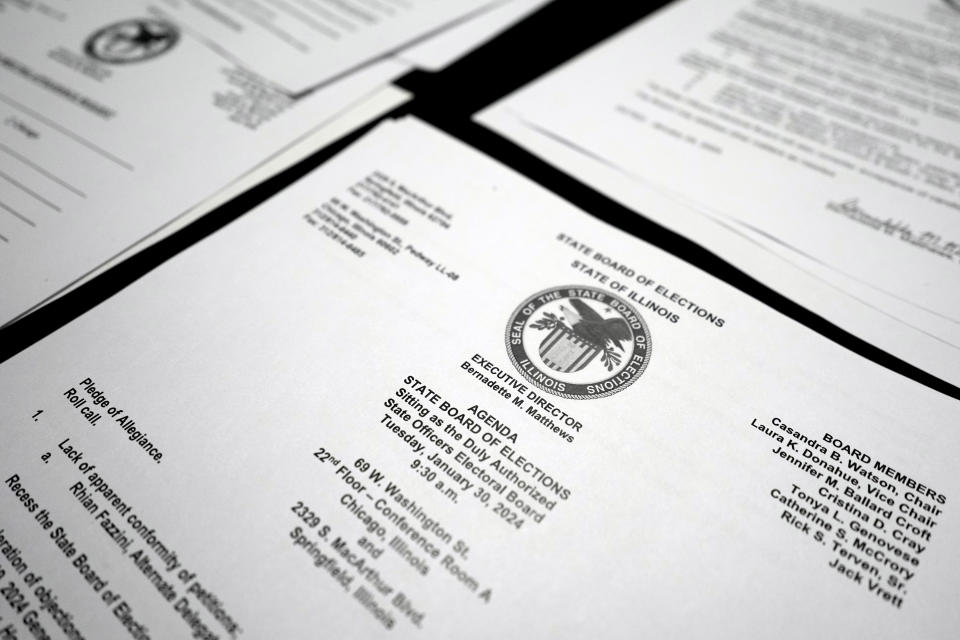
(447, 100)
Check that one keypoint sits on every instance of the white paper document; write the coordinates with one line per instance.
(368, 109)
(115, 123)
(300, 44)
(417, 395)
(830, 127)
(920, 338)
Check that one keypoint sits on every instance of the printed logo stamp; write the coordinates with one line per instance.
(578, 342)
(133, 40)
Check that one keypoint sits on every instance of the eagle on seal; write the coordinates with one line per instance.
(590, 326)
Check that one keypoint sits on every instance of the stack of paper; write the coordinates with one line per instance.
(415, 394)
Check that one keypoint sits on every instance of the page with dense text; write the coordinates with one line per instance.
(830, 127)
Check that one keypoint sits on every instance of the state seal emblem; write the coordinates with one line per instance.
(578, 342)
(132, 40)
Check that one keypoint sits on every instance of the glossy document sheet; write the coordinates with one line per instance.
(831, 128)
(115, 123)
(415, 394)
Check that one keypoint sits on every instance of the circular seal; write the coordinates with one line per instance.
(132, 40)
(578, 342)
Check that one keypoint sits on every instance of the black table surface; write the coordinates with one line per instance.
(448, 99)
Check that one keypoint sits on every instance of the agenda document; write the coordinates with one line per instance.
(417, 395)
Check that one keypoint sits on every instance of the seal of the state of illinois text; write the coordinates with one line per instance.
(578, 342)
